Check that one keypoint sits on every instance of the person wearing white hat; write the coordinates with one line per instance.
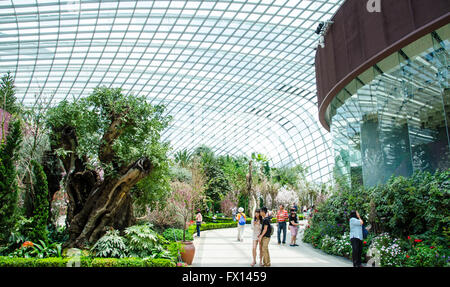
(241, 219)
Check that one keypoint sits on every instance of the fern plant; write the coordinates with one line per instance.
(142, 240)
(111, 245)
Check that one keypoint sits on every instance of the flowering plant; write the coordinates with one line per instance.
(184, 199)
(286, 197)
(27, 244)
(391, 254)
(423, 255)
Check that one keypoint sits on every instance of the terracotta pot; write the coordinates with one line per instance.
(189, 251)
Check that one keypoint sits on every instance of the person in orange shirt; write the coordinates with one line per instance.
(282, 216)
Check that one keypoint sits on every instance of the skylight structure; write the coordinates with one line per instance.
(237, 76)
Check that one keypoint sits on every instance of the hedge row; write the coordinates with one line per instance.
(84, 262)
(208, 226)
(230, 220)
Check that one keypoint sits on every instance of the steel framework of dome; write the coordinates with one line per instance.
(237, 76)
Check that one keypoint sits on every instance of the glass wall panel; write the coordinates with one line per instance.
(393, 118)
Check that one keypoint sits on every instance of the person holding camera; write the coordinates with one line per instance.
(356, 237)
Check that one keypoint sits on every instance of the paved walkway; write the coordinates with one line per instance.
(220, 248)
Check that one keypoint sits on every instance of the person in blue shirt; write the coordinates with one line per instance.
(356, 237)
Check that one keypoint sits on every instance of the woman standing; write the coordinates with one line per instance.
(356, 237)
(256, 226)
(199, 220)
(293, 226)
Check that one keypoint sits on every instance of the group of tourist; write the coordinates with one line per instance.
(263, 229)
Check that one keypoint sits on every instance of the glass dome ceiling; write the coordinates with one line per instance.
(237, 76)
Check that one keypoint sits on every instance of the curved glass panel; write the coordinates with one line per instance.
(237, 76)
(394, 118)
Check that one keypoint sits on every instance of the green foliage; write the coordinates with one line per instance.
(175, 248)
(41, 205)
(8, 183)
(44, 250)
(235, 170)
(85, 262)
(180, 174)
(136, 126)
(209, 226)
(391, 253)
(57, 234)
(153, 189)
(140, 126)
(422, 255)
(416, 205)
(19, 233)
(288, 176)
(33, 262)
(7, 94)
(402, 208)
(183, 158)
(175, 234)
(337, 246)
(142, 241)
(110, 245)
(38, 250)
(217, 184)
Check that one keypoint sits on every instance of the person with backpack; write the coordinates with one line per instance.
(241, 223)
(199, 220)
(356, 237)
(264, 237)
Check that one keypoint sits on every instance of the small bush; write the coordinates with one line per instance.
(175, 234)
(159, 262)
(141, 239)
(110, 245)
(85, 262)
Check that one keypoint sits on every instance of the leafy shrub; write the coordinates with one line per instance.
(403, 207)
(110, 245)
(391, 254)
(159, 262)
(175, 248)
(420, 254)
(142, 241)
(415, 205)
(51, 262)
(175, 234)
(43, 249)
(208, 226)
(85, 262)
(8, 183)
(40, 202)
(57, 233)
(38, 250)
(17, 236)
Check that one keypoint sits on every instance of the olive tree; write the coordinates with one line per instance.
(107, 143)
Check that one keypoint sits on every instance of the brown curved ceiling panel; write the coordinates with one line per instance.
(358, 39)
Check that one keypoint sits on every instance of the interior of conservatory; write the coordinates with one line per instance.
(244, 133)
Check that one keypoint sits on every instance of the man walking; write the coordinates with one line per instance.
(264, 238)
(282, 216)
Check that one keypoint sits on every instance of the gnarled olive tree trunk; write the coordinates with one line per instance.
(96, 204)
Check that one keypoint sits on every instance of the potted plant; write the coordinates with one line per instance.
(184, 198)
